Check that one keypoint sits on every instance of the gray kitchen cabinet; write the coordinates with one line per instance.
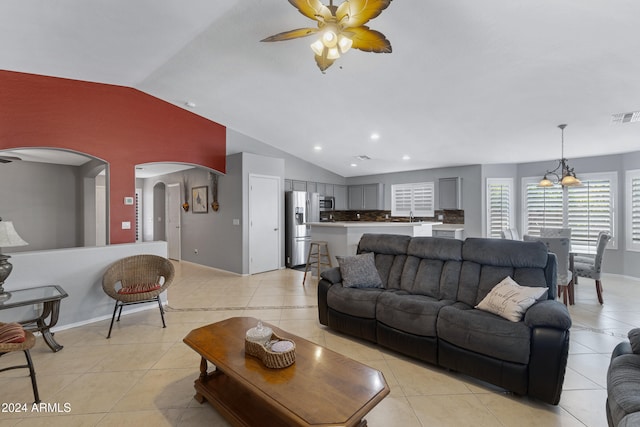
(340, 194)
(299, 185)
(328, 190)
(288, 185)
(321, 188)
(450, 193)
(312, 187)
(366, 197)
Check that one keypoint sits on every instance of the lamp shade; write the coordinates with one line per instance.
(8, 235)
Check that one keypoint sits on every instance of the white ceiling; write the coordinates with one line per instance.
(468, 81)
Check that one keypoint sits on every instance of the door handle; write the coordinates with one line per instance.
(275, 229)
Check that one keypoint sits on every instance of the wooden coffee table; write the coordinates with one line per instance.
(322, 387)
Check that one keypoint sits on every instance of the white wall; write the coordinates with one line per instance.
(79, 272)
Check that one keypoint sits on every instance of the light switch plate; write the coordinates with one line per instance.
(128, 200)
(236, 221)
(126, 225)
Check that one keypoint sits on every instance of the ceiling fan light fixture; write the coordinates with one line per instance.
(329, 38)
(333, 53)
(317, 47)
(344, 43)
(339, 28)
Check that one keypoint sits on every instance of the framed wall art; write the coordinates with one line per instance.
(200, 199)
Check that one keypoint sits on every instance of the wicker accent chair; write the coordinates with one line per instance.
(137, 279)
(24, 346)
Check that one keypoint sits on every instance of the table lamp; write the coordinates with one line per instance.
(8, 238)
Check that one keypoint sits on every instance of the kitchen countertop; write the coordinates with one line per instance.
(348, 224)
(449, 227)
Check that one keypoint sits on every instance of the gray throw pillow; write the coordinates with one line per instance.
(634, 339)
(359, 271)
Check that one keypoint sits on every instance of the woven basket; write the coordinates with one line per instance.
(270, 358)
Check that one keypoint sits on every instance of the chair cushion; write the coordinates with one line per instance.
(139, 289)
(12, 333)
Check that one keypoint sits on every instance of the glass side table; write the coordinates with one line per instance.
(49, 297)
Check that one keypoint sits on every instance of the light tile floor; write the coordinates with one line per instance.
(144, 374)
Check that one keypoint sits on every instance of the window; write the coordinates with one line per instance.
(590, 208)
(412, 199)
(500, 207)
(633, 210)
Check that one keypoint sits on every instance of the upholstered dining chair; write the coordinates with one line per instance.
(14, 338)
(555, 232)
(135, 280)
(590, 265)
(560, 247)
(510, 234)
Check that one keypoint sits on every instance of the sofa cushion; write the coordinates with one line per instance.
(390, 269)
(388, 244)
(505, 253)
(634, 340)
(390, 251)
(414, 314)
(510, 300)
(484, 333)
(359, 271)
(359, 302)
(623, 386)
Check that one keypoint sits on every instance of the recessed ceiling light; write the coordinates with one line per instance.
(406, 157)
(353, 165)
(190, 104)
(317, 148)
(375, 136)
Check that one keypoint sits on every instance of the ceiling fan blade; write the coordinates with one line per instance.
(293, 34)
(312, 9)
(369, 40)
(354, 13)
(8, 159)
(324, 62)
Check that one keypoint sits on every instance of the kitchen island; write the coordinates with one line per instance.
(343, 236)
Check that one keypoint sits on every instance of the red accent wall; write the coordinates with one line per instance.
(120, 125)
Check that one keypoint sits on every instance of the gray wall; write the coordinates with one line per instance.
(44, 201)
(220, 243)
(295, 168)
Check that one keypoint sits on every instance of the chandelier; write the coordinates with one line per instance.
(563, 174)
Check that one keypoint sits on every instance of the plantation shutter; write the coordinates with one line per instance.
(633, 210)
(544, 207)
(590, 211)
(499, 205)
(415, 199)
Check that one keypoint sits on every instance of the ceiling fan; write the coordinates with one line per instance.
(8, 159)
(340, 28)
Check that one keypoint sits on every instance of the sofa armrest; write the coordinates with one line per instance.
(549, 314)
(332, 275)
(328, 278)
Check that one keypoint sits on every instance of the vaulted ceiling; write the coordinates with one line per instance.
(468, 81)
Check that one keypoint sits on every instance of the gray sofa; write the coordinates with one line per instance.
(623, 383)
(425, 309)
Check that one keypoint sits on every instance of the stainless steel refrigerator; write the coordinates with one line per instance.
(300, 209)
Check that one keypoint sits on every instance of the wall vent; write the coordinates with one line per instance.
(621, 118)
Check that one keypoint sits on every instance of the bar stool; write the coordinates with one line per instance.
(24, 346)
(317, 258)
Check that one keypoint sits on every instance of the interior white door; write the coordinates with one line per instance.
(172, 207)
(264, 223)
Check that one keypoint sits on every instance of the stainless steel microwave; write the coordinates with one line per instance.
(327, 203)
